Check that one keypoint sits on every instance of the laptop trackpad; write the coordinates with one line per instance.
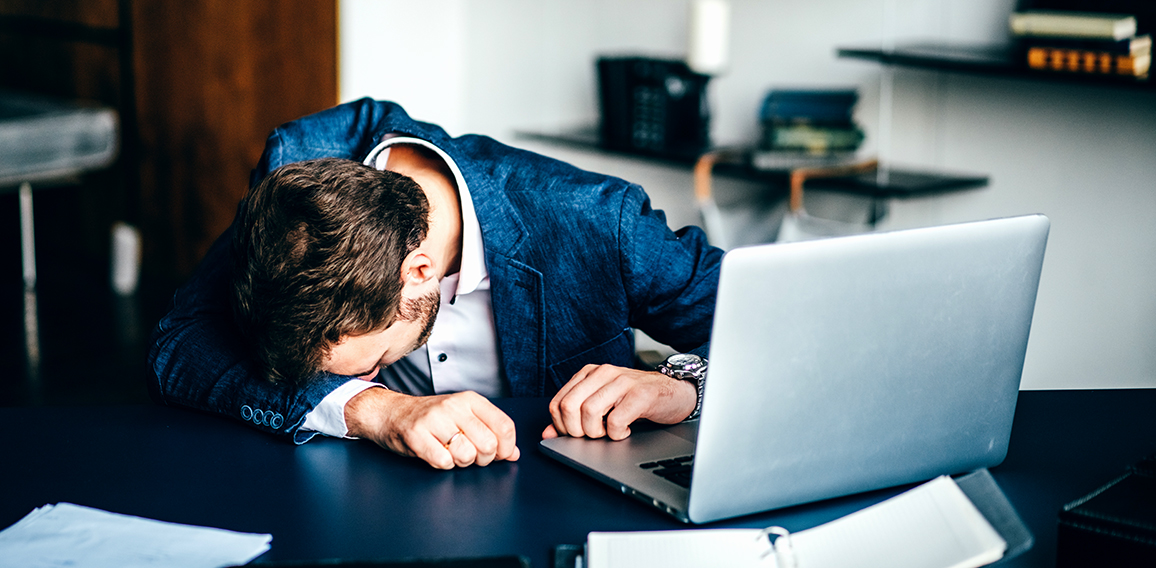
(644, 445)
(686, 430)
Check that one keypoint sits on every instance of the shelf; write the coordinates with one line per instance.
(988, 60)
(899, 182)
(587, 138)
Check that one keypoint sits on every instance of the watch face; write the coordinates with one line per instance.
(685, 361)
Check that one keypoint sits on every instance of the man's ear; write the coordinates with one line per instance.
(417, 268)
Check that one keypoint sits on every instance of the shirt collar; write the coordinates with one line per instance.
(473, 274)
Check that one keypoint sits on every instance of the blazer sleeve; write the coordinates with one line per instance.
(197, 356)
(670, 277)
(199, 360)
(346, 131)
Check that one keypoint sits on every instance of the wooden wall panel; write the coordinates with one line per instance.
(64, 69)
(213, 78)
(199, 84)
(94, 13)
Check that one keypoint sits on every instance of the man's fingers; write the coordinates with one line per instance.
(503, 441)
(605, 400)
(625, 412)
(426, 446)
(463, 450)
(487, 433)
(600, 404)
(574, 417)
(566, 394)
(482, 442)
(460, 430)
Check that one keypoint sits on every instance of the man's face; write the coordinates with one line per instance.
(362, 356)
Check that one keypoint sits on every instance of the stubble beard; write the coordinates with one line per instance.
(424, 309)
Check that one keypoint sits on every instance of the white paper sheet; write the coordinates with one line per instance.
(55, 536)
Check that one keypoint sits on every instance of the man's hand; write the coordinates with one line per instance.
(449, 430)
(604, 400)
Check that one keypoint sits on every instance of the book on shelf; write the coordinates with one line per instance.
(787, 160)
(1134, 46)
(1070, 24)
(1083, 42)
(807, 127)
(811, 138)
(935, 525)
(1084, 61)
(833, 106)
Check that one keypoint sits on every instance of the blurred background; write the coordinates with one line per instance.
(197, 85)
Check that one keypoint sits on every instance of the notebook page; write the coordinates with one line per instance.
(733, 548)
(933, 525)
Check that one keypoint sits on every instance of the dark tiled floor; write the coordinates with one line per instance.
(73, 341)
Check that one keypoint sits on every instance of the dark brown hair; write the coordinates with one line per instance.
(317, 249)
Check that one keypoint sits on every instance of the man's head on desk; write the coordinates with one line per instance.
(322, 251)
(336, 270)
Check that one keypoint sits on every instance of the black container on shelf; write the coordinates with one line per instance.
(655, 107)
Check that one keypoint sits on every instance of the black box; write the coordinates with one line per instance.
(1114, 525)
(653, 106)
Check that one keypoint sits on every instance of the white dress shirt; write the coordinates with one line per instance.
(462, 351)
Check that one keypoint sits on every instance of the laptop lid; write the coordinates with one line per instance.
(850, 364)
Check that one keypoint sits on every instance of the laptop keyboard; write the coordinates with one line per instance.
(676, 470)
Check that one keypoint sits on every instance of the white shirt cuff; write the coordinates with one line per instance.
(328, 417)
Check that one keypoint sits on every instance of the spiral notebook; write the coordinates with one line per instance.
(934, 525)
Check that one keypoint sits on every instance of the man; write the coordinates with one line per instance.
(329, 283)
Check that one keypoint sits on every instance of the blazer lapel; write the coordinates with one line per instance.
(519, 302)
(517, 292)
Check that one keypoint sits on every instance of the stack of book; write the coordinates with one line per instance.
(807, 128)
(1083, 42)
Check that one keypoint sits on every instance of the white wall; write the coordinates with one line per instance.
(1083, 155)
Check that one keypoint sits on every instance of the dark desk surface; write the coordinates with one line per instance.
(335, 498)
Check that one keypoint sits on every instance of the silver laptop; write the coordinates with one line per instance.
(843, 365)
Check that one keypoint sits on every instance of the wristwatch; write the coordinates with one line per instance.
(687, 367)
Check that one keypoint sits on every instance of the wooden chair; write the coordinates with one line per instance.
(796, 223)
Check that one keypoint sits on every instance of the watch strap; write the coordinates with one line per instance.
(677, 368)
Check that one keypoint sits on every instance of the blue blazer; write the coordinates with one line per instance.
(577, 260)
